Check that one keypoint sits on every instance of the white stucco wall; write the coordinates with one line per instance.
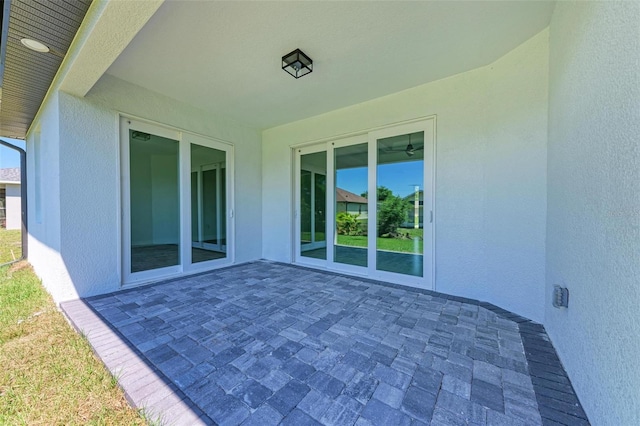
(44, 228)
(87, 238)
(491, 174)
(13, 206)
(593, 234)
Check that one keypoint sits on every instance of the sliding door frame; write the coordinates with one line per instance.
(428, 252)
(427, 125)
(298, 215)
(185, 139)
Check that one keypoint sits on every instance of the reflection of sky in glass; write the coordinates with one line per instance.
(352, 180)
(10, 157)
(400, 178)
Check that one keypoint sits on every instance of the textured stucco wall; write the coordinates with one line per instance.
(44, 229)
(490, 181)
(77, 253)
(593, 225)
(13, 206)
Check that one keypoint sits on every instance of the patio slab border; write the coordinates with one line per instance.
(147, 388)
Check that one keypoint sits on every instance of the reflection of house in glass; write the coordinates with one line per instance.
(351, 203)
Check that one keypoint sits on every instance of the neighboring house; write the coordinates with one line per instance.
(175, 147)
(10, 198)
(351, 203)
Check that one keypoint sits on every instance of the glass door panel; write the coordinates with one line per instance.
(313, 203)
(154, 202)
(400, 195)
(350, 205)
(208, 212)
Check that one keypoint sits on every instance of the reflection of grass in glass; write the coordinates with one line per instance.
(306, 237)
(390, 244)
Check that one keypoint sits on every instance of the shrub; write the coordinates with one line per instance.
(391, 214)
(348, 224)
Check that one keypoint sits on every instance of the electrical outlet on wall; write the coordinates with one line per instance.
(560, 297)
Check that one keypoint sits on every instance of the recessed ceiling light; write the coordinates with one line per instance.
(34, 45)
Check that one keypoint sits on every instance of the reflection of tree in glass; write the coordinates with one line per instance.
(392, 211)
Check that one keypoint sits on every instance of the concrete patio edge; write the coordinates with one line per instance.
(161, 400)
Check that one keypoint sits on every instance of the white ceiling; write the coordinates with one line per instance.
(225, 57)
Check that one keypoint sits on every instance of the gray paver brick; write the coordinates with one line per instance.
(495, 418)
(297, 418)
(288, 397)
(326, 384)
(227, 410)
(469, 411)
(339, 415)
(379, 413)
(442, 417)
(487, 372)
(392, 376)
(263, 416)
(228, 377)
(487, 394)
(389, 395)
(306, 354)
(252, 393)
(419, 403)
(361, 388)
(298, 369)
(427, 379)
(456, 386)
(275, 380)
(315, 404)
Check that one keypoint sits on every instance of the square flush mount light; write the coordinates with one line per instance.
(297, 63)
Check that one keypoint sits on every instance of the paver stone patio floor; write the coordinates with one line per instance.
(266, 343)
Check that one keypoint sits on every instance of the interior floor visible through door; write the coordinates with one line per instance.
(144, 258)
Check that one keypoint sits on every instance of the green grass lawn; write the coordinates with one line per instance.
(48, 374)
(390, 244)
(10, 245)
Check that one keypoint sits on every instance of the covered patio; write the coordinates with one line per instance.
(268, 343)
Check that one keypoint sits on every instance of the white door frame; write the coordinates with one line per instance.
(428, 129)
(185, 140)
(427, 126)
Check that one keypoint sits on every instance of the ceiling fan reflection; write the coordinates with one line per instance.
(410, 150)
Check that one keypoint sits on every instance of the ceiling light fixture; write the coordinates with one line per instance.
(34, 45)
(297, 63)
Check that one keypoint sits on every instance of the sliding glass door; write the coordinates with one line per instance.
(175, 198)
(312, 205)
(350, 204)
(378, 188)
(208, 204)
(400, 204)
